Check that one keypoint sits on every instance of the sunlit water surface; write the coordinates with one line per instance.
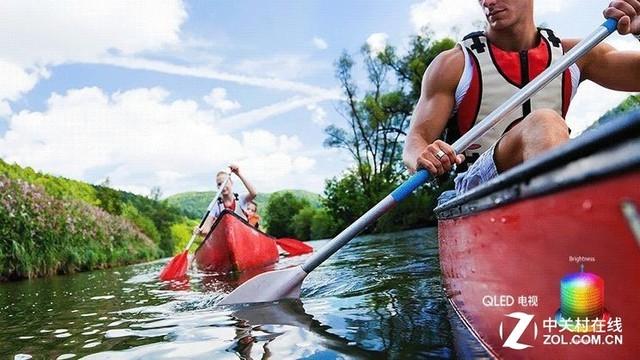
(379, 297)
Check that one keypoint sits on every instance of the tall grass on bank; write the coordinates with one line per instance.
(42, 235)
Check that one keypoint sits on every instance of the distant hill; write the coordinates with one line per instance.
(193, 204)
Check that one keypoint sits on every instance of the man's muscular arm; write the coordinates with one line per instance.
(437, 99)
(608, 67)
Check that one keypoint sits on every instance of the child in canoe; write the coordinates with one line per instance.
(229, 200)
(251, 211)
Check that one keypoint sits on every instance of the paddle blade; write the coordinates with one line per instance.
(269, 286)
(176, 268)
(294, 247)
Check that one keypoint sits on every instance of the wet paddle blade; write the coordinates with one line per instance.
(269, 286)
(176, 268)
(294, 247)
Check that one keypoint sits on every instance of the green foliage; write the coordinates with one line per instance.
(311, 223)
(152, 219)
(279, 213)
(182, 232)
(344, 199)
(301, 223)
(143, 223)
(109, 200)
(58, 187)
(322, 225)
(377, 120)
(161, 214)
(629, 104)
(41, 235)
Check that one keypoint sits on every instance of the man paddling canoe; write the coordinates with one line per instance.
(464, 84)
(228, 199)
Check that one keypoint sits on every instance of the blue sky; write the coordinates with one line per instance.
(165, 93)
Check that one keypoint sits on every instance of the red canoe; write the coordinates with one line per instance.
(555, 240)
(234, 245)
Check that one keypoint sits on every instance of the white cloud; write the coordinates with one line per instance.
(281, 66)
(320, 43)
(37, 34)
(589, 104)
(251, 117)
(457, 18)
(217, 98)
(318, 115)
(377, 42)
(16, 80)
(271, 160)
(52, 32)
(208, 73)
(446, 18)
(139, 139)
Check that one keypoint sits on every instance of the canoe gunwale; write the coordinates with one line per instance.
(591, 153)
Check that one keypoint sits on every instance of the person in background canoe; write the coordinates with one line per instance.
(465, 84)
(251, 211)
(228, 199)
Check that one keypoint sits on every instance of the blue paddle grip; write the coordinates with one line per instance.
(404, 190)
(611, 24)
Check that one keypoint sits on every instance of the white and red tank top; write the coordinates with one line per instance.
(492, 75)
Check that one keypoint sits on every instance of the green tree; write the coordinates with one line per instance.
(322, 225)
(302, 222)
(109, 199)
(376, 123)
(280, 211)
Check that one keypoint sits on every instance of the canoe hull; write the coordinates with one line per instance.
(557, 235)
(234, 245)
(493, 258)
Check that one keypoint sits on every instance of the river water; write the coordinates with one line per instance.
(379, 297)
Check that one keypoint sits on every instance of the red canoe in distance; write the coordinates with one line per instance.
(234, 245)
(559, 235)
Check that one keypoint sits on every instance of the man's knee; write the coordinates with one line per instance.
(538, 132)
(546, 123)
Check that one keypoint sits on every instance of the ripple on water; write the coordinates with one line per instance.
(377, 297)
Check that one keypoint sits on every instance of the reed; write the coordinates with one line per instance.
(43, 235)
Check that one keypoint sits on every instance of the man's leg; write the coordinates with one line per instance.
(538, 132)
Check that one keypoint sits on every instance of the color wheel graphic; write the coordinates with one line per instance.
(581, 301)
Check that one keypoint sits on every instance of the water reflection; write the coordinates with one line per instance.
(379, 297)
(305, 334)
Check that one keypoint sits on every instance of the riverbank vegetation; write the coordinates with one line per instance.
(51, 225)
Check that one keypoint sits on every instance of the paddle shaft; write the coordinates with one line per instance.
(420, 177)
(209, 208)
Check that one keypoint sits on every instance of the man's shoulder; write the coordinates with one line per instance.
(448, 66)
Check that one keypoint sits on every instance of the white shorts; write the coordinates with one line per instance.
(481, 171)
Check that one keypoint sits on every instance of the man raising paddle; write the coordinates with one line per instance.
(465, 84)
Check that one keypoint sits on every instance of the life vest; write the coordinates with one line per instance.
(492, 75)
(254, 220)
(235, 206)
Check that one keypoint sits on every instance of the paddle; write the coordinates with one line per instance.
(286, 283)
(177, 267)
(294, 247)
